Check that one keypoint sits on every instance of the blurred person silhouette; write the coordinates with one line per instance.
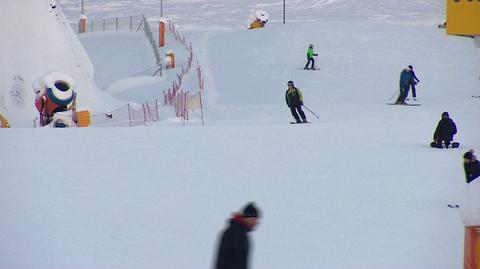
(234, 244)
(471, 166)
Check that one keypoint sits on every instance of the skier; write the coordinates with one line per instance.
(405, 81)
(310, 55)
(294, 99)
(413, 81)
(444, 132)
(471, 166)
(234, 245)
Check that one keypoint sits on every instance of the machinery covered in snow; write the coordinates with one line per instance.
(258, 19)
(55, 99)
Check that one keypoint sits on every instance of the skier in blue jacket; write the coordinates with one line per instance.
(405, 81)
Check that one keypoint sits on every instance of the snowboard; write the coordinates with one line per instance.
(453, 145)
(315, 69)
(403, 104)
(293, 122)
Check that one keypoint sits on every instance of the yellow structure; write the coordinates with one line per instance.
(4, 122)
(463, 17)
(256, 24)
(83, 118)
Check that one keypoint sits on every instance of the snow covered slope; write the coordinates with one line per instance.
(357, 188)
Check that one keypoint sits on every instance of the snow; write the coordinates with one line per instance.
(357, 188)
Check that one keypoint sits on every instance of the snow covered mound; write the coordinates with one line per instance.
(37, 39)
(470, 206)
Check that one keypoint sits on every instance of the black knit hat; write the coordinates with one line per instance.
(411, 67)
(290, 82)
(250, 211)
(468, 155)
(445, 115)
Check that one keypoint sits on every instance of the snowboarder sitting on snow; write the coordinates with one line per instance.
(310, 59)
(471, 166)
(444, 132)
(413, 81)
(294, 99)
(405, 81)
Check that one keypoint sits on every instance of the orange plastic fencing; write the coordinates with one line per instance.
(471, 258)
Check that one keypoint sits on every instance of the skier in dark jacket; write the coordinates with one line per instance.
(234, 245)
(413, 81)
(471, 166)
(294, 99)
(405, 81)
(444, 132)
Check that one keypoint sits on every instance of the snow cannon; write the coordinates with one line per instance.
(169, 59)
(53, 94)
(470, 213)
(258, 19)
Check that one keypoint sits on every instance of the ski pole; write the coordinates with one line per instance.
(311, 112)
(394, 94)
(303, 64)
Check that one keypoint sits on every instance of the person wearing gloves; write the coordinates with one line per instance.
(294, 99)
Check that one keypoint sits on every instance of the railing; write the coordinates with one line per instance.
(114, 24)
(129, 115)
(151, 40)
(182, 101)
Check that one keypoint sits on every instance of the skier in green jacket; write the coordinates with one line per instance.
(310, 59)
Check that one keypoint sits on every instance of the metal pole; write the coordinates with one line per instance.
(283, 11)
(161, 8)
(83, 8)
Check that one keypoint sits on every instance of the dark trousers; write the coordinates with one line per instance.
(310, 60)
(403, 93)
(294, 110)
(414, 92)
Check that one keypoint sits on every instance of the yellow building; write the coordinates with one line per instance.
(463, 17)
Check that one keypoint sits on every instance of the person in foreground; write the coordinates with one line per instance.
(234, 245)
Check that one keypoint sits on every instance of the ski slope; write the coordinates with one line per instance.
(357, 188)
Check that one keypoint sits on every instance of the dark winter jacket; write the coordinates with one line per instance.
(405, 78)
(233, 249)
(472, 170)
(445, 130)
(414, 80)
(294, 97)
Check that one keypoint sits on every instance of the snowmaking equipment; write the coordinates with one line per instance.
(258, 19)
(55, 99)
(169, 59)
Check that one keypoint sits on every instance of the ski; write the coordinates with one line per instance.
(292, 122)
(309, 69)
(453, 206)
(405, 104)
